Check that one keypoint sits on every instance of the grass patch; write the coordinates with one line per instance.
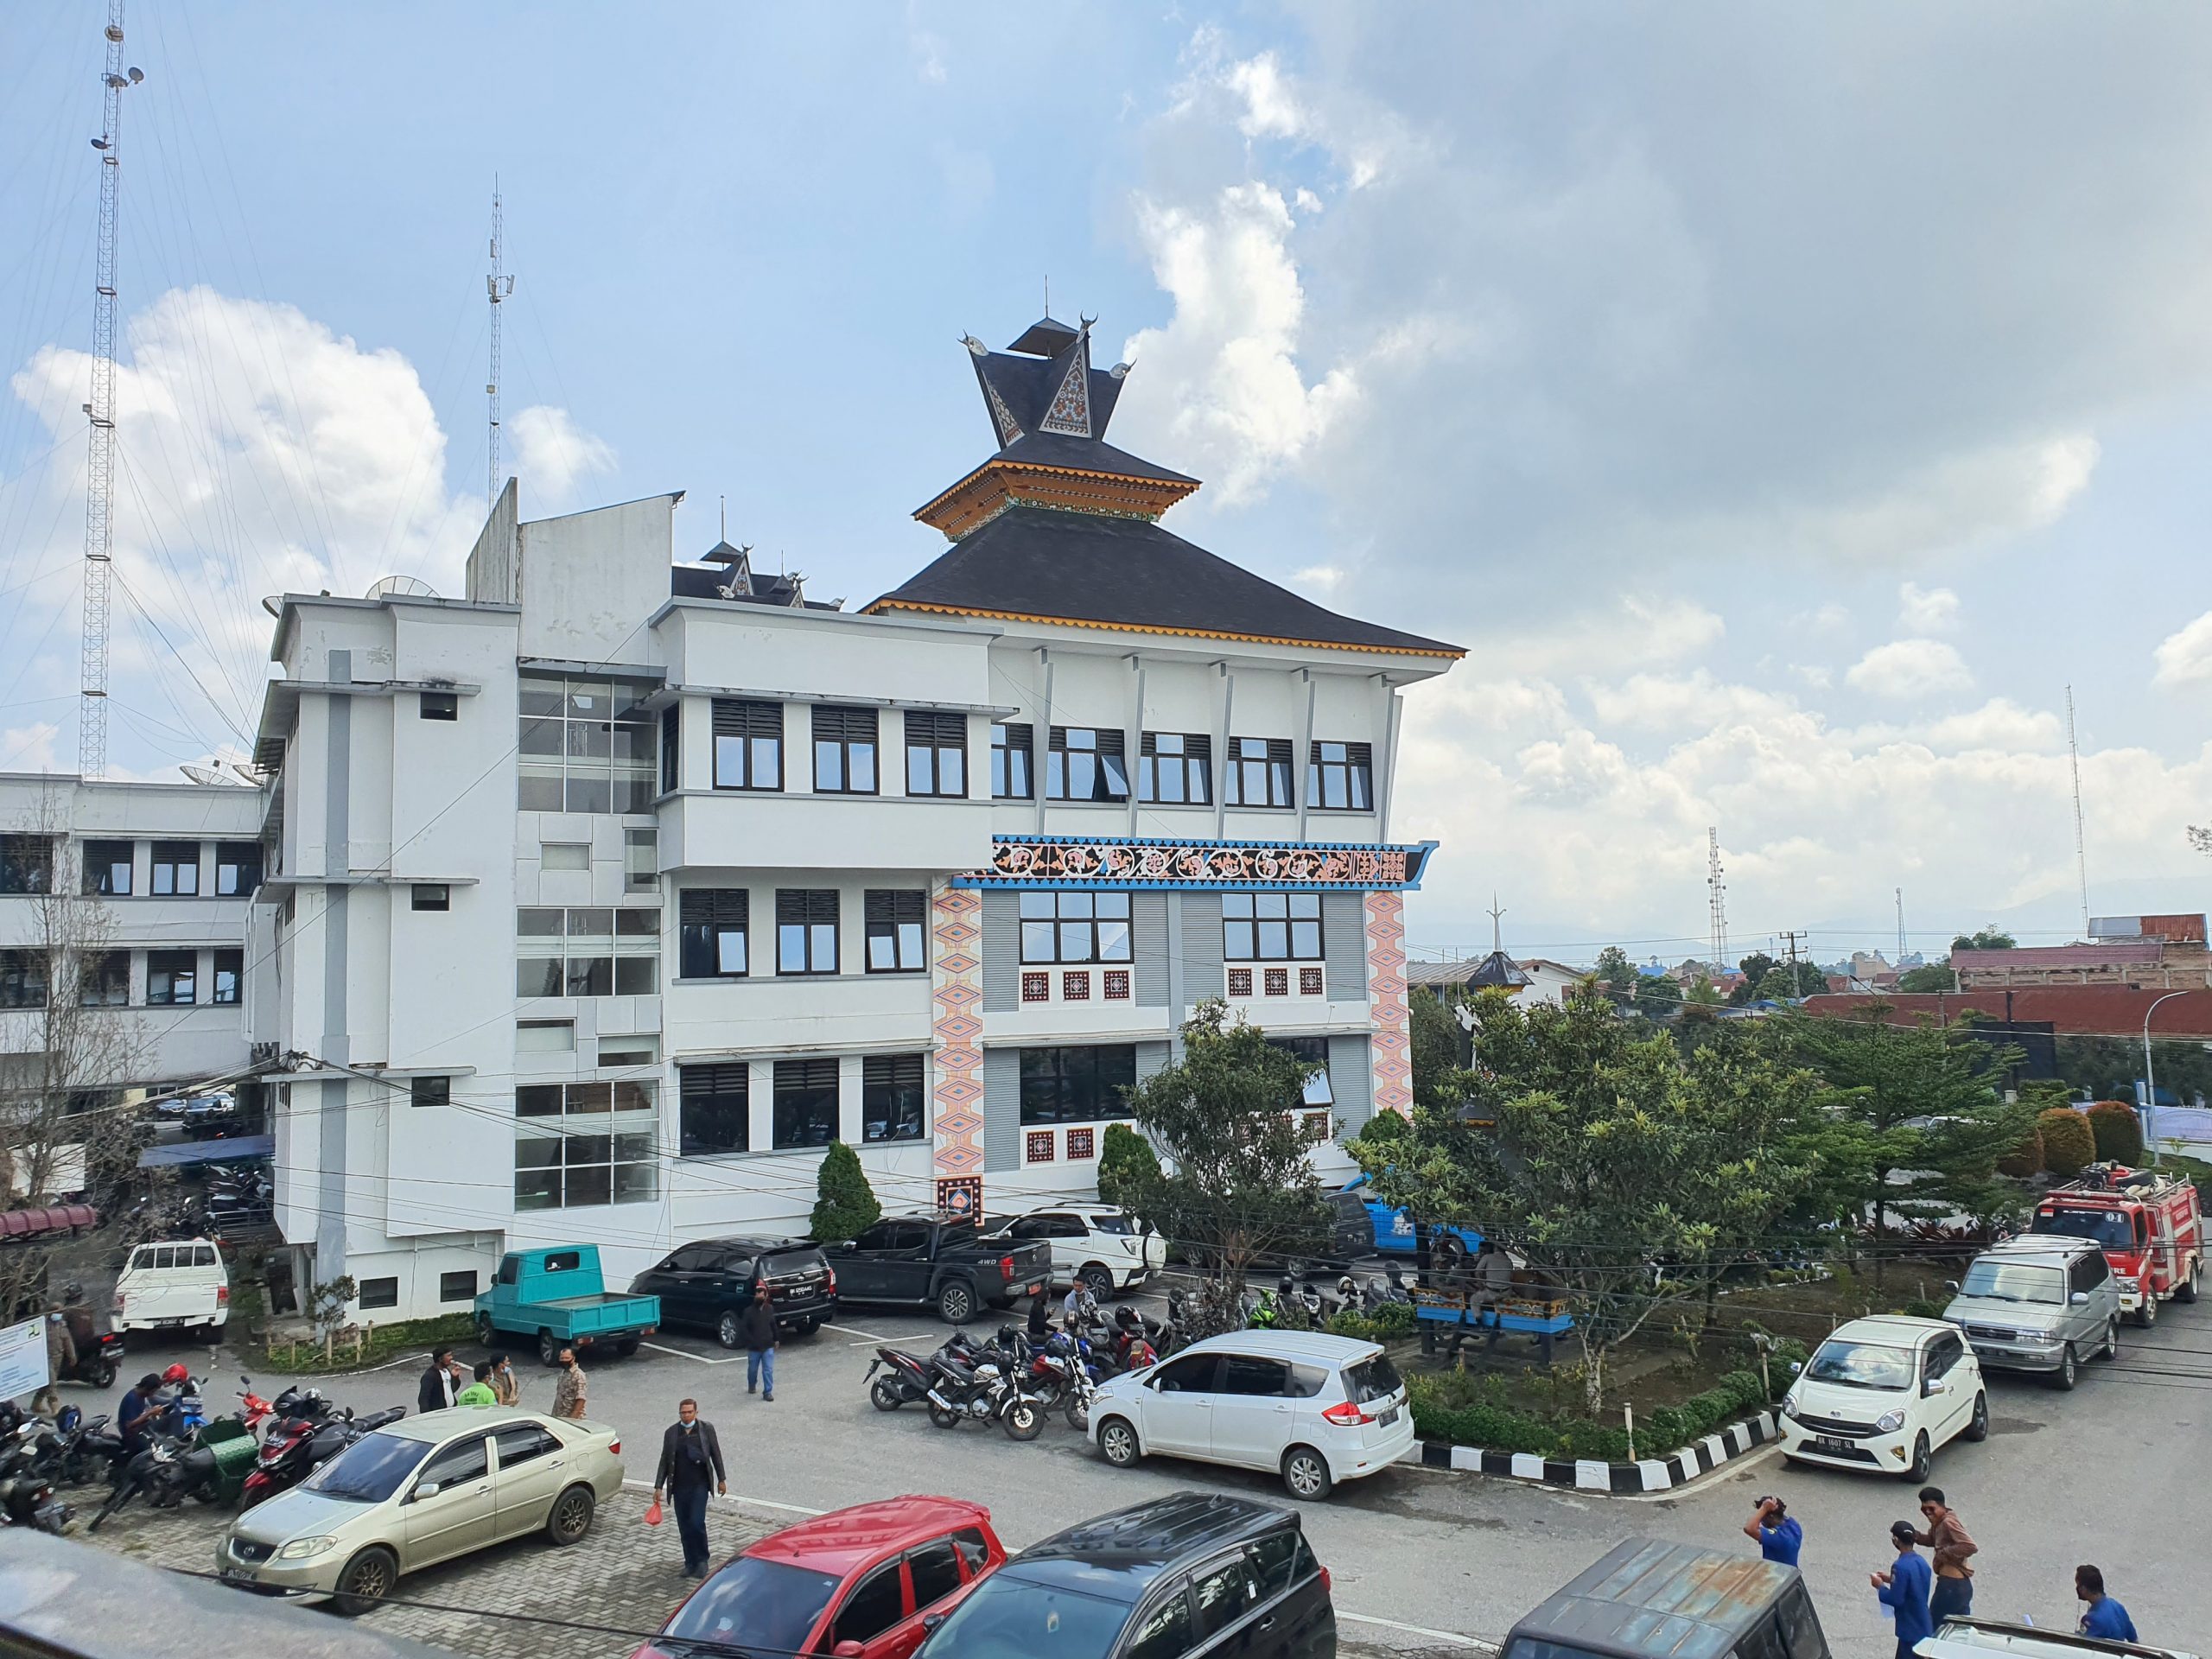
(383, 1341)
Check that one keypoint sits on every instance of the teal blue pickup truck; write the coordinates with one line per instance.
(558, 1297)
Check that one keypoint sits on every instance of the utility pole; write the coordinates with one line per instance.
(2081, 859)
(1900, 923)
(498, 285)
(1790, 942)
(99, 479)
(1716, 898)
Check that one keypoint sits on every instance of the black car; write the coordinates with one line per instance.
(710, 1283)
(1198, 1573)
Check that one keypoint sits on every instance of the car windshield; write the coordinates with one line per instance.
(1119, 1226)
(1009, 1617)
(2014, 1282)
(1861, 1365)
(369, 1471)
(2108, 1228)
(751, 1603)
(1372, 1379)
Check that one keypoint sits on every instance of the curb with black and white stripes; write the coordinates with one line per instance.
(1618, 1479)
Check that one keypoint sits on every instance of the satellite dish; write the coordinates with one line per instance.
(247, 772)
(404, 587)
(208, 775)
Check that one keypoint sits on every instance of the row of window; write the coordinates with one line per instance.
(713, 926)
(749, 748)
(1084, 1085)
(1095, 927)
(586, 746)
(717, 1111)
(461, 1286)
(173, 979)
(1088, 763)
(581, 1144)
(110, 868)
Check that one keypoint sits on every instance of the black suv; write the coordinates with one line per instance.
(1197, 1574)
(710, 1283)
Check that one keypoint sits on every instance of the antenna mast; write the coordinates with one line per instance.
(2081, 859)
(496, 287)
(1718, 898)
(1900, 923)
(100, 482)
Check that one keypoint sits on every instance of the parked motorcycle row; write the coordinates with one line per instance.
(237, 1197)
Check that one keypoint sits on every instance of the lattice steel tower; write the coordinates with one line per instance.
(1718, 898)
(496, 287)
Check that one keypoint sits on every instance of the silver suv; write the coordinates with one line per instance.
(2041, 1303)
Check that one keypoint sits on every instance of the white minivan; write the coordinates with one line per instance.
(181, 1285)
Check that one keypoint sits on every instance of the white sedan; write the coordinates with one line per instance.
(1103, 1246)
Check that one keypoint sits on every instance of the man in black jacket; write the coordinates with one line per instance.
(690, 1459)
(439, 1383)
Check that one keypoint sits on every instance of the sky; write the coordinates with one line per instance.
(1784, 406)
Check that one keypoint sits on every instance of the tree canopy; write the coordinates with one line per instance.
(1930, 976)
(1984, 938)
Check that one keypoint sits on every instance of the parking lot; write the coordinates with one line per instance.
(1424, 1562)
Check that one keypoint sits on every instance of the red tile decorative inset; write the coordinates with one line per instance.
(1075, 987)
(1039, 1148)
(1036, 988)
(1080, 1144)
(1117, 989)
(956, 1074)
(1240, 981)
(1276, 980)
(1309, 982)
(1390, 1046)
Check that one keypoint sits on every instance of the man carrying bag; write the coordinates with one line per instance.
(690, 1462)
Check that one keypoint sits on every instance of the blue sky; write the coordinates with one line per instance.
(1783, 406)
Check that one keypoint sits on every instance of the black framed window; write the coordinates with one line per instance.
(748, 744)
(1271, 926)
(844, 750)
(715, 1114)
(176, 872)
(172, 978)
(671, 747)
(1314, 1051)
(806, 1103)
(1076, 1085)
(806, 930)
(437, 705)
(893, 1102)
(26, 863)
(103, 980)
(1341, 776)
(586, 746)
(230, 977)
(587, 951)
(1258, 771)
(459, 1286)
(894, 932)
(1075, 927)
(937, 754)
(23, 979)
(585, 1143)
(1013, 749)
(429, 1091)
(382, 1293)
(429, 895)
(712, 924)
(1085, 764)
(1176, 768)
(238, 868)
(107, 867)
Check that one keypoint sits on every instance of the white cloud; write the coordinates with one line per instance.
(1271, 106)
(1317, 581)
(2184, 656)
(1909, 668)
(1927, 610)
(2000, 723)
(1696, 701)
(554, 455)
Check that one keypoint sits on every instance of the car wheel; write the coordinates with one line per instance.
(807, 1327)
(1977, 1428)
(2147, 1315)
(2111, 1349)
(1100, 1280)
(571, 1516)
(626, 1348)
(487, 1332)
(726, 1331)
(883, 1395)
(2069, 1371)
(548, 1351)
(1118, 1442)
(1305, 1472)
(1923, 1460)
(2186, 1291)
(367, 1579)
(955, 1303)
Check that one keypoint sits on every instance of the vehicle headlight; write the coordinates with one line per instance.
(1889, 1421)
(1789, 1407)
(300, 1549)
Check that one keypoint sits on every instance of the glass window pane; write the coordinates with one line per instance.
(909, 945)
(1235, 904)
(1306, 940)
(591, 976)
(590, 795)
(1275, 941)
(767, 763)
(536, 697)
(1236, 941)
(918, 779)
(1075, 941)
(825, 947)
(953, 771)
(589, 1098)
(730, 951)
(861, 762)
(790, 948)
(1113, 941)
(636, 975)
(729, 761)
(591, 922)
(538, 923)
(592, 1185)
(537, 976)
(1112, 904)
(1037, 941)
(1117, 777)
(540, 737)
(589, 740)
(1359, 799)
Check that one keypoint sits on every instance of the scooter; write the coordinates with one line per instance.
(153, 1472)
(299, 1446)
(905, 1379)
(26, 1486)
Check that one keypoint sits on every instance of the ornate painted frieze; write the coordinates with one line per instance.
(1085, 861)
(1389, 1044)
(957, 994)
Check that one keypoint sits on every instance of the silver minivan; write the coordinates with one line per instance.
(2039, 1303)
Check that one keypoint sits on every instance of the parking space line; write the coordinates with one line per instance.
(1420, 1629)
(697, 1359)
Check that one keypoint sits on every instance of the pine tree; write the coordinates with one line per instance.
(846, 1206)
(1127, 1164)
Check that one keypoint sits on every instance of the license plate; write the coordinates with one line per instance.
(236, 1574)
(1828, 1442)
(1389, 1417)
(169, 1322)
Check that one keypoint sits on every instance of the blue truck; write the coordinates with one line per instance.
(1447, 1314)
(558, 1298)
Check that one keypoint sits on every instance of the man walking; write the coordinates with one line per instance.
(571, 1387)
(479, 1392)
(439, 1383)
(1904, 1590)
(1772, 1529)
(691, 1457)
(2103, 1616)
(1947, 1536)
(758, 1326)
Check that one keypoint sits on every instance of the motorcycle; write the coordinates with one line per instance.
(154, 1471)
(905, 1379)
(981, 1389)
(26, 1486)
(299, 1446)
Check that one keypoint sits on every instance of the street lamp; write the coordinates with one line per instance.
(2150, 1077)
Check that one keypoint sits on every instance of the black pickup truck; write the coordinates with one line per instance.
(924, 1259)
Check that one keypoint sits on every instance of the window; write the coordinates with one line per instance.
(426, 895)
(806, 1103)
(844, 751)
(103, 980)
(23, 979)
(545, 1037)
(937, 754)
(1223, 1593)
(1271, 926)
(1075, 927)
(1314, 1051)
(26, 863)
(891, 1097)
(457, 1286)
(1192, 1374)
(176, 872)
(1274, 1558)
(172, 977)
(1165, 1632)
(587, 951)
(437, 705)
(710, 924)
(1341, 776)
(2089, 1271)
(671, 747)
(564, 855)
(806, 930)
(936, 1573)
(467, 1459)
(895, 932)
(1176, 767)
(1085, 764)
(230, 977)
(715, 1115)
(748, 744)
(579, 1144)
(968, 1541)
(586, 746)
(876, 1603)
(522, 1443)
(1075, 1085)
(1258, 772)
(641, 860)
(429, 1091)
(238, 868)
(380, 1293)
(1012, 749)
(1241, 1373)
(107, 867)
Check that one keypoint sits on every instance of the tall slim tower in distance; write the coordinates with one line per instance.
(496, 287)
(1717, 898)
(2080, 857)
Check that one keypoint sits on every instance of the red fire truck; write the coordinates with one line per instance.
(2147, 1225)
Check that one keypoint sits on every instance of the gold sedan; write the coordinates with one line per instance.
(421, 1490)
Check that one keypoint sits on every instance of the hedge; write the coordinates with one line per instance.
(2024, 1160)
(1390, 1319)
(2069, 1145)
(2118, 1132)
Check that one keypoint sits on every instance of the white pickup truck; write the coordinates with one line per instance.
(174, 1286)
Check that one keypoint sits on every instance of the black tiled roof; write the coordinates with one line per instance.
(1080, 567)
(1055, 449)
(691, 582)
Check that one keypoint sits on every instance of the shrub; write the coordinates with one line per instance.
(2117, 1132)
(1921, 1308)
(1127, 1164)
(2024, 1160)
(1455, 1407)
(846, 1206)
(1390, 1320)
(2068, 1146)
(1383, 1128)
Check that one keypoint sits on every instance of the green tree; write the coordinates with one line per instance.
(1704, 994)
(1609, 1158)
(1786, 981)
(1437, 1046)
(1754, 968)
(1127, 1165)
(1656, 995)
(845, 1205)
(1986, 939)
(1616, 972)
(1930, 976)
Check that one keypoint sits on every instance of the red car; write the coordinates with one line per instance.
(865, 1583)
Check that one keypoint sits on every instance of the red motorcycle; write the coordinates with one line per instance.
(305, 1441)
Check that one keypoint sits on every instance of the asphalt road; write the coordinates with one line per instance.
(2106, 1474)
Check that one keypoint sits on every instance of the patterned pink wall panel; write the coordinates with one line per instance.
(1391, 1045)
(956, 1085)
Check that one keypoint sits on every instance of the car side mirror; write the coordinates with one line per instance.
(1795, 1366)
(848, 1246)
(2080, 1299)
(1951, 1285)
(930, 1621)
(428, 1489)
(1933, 1386)
(847, 1650)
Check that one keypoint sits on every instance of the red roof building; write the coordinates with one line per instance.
(2069, 1010)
